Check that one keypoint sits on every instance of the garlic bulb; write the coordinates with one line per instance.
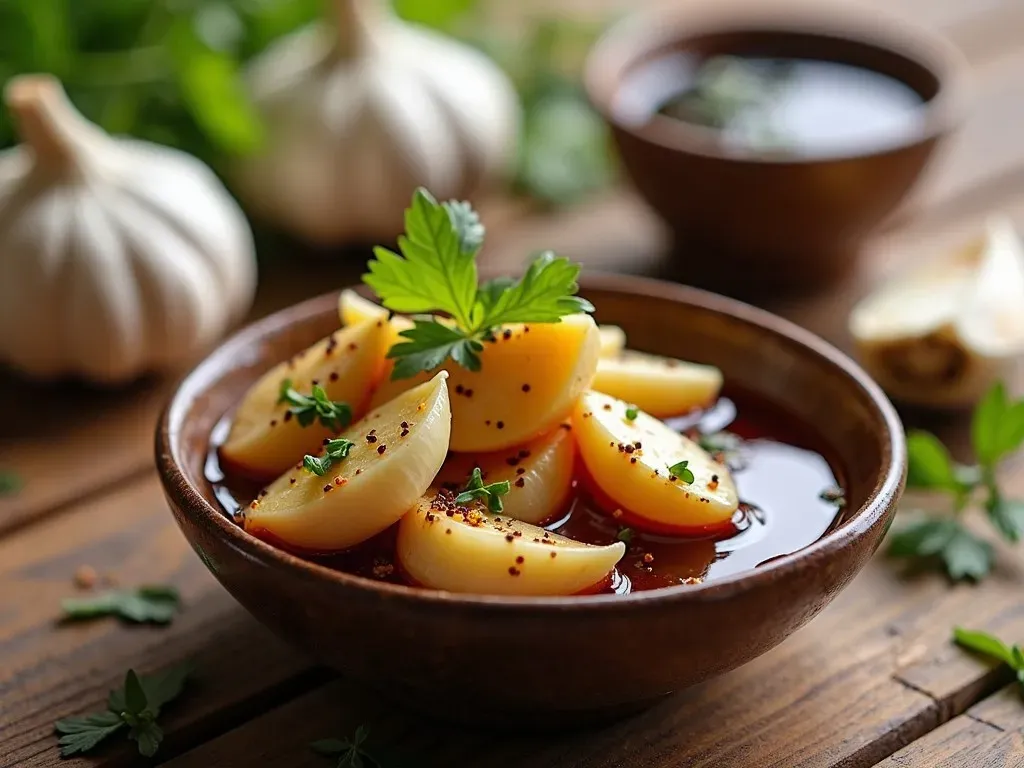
(944, 333)
(361, 112)
(117, 257)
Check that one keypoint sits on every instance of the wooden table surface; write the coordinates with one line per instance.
(872, 681)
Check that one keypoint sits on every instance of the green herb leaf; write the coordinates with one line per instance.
(334, 452)
(433, 273)
(632, 412)
(81, 734)
(625, 535)
(429, 344)
(307, 409)
(10, 483)
(156, 604)
(964, 555)
(682, 471)
(989, 645)
(929, 463)
(489, 293)
(543, 295)
(1007, 515)
(997, 427)
(136, 704)
(349, 753)
(134, 697)
(439, 14)
(490, 494)
(468, 227)
(148, 736)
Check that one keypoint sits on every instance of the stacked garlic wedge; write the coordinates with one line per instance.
(945, 332)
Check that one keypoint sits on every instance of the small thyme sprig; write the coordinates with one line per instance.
(309, 408)
(491, 494)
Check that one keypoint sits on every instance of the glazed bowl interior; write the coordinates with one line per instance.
(425, 645)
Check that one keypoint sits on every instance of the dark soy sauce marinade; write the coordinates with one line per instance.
(778, 472)
(779, 106)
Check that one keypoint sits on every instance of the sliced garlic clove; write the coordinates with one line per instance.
(613, 340)
(539, 473)
(661, 386)
(458, 548)
(629, 460)
(397, 451)
(264, 439)
(945, 332)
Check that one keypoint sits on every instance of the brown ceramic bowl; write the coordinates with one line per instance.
(748, 222)
(553, 660)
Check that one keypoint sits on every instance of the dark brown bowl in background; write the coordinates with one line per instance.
(553, 660)
(746, 223)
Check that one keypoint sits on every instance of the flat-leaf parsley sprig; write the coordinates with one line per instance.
(490, 494)
(436, 273)
(308, 408)
(136, 706)
(997, 430)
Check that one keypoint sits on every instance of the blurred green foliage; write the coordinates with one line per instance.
(168, 71)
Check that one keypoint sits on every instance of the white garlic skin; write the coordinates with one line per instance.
(117, 257)
(942, 335)
(360, 112)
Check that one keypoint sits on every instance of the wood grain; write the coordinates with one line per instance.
(988, 735)
(49, 671)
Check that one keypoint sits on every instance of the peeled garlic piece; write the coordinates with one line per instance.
(662, 386)
(475, 551)
(629, 461)
(613, 340)
(539, 473)
(265, 439)
(379, 481)
(945, 332)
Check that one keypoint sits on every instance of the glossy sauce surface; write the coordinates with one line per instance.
(800, 107)
(779, 474)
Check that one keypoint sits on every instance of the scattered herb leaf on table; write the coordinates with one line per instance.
(997, 430)
(156, 604)
(990, 645)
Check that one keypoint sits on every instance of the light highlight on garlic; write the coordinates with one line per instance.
(361, 111)
(117, 257)
(941, 335)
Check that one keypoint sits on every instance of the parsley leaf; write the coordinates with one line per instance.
(990, 645)
(997, 427)
(81, 734)
(1007, 515)
(136, 705)
(10, 483)
(156, 604)
(929, 463)
(433, 273)
(429, 345)
(334, 452)
(625, 535)
(543, 295)
(436, 274)
(308, 408)
(350, 754)
(964, 555)
(632, 412)
(491, 493)
(682, 471)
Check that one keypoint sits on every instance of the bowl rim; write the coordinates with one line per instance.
(638, 35)
(210, 517)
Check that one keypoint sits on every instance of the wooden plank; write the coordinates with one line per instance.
(838, 693)
(49, 671)
(988, 735)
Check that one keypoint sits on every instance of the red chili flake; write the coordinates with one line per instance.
(325, 442)
(520, 560)
(487, 423)
(334, 376)
(566, 427)
(521, 471)
(526, 329)
(509, 537)
(353, 346)
(381, 448)
(553, 554)
(288, 416)
(327, 487)
(291, 480)
(263, 492)
(607, 406)
(513, 571)
(672, 478)
(371, 438)
(638, 445)
(632, 459)
(469, 393)
(500, 425)
(314, 382)
(517, 534)
(506, 334)
(648, 558)
(629, 449)
(447, 530)
(512, 460)
(459, 389)
(404, 433)
(404, 425)
(340, 481)
(520, 483)
(526, 387)
(359, 471)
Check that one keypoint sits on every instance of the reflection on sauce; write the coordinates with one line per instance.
(795, 107)
(777, 472)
